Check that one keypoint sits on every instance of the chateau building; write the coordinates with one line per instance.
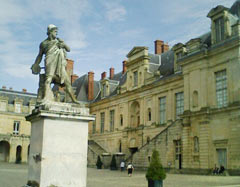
(14, 129)
(184, 102)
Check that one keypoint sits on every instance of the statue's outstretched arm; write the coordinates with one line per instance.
(35, 67)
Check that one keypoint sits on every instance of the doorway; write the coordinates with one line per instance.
(18, 154)
(222, 157)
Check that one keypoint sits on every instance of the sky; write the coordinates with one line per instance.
(100, 33)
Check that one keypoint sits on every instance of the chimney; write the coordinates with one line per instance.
(124, 66)
(165, 48)
(10, 88)
(73, 78)
(111, 72)
(4, 87)
(103, 75)
(69, 67)
(90, 85)
(160, 47)
(24, 90)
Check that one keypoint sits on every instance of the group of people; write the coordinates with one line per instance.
(130, 168)
(217, 171)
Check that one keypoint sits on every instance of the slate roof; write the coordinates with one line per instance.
(12, 95)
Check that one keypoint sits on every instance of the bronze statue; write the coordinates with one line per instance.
(55, 51)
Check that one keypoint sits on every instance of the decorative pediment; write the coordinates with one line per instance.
(193, 44)
(136, 50)
(217, 10)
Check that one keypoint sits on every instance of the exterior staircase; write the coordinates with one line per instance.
(94, 150)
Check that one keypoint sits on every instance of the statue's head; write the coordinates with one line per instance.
(50, 28)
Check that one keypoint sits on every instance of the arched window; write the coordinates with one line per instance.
(195, 99)
(196, 144)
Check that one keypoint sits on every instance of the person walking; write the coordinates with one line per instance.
(130, 169)
(122, 165)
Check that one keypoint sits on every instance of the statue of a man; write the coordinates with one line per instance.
(55, 64)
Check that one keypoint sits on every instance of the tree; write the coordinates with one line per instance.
(155, 170)
(99, 163)
(113, 165)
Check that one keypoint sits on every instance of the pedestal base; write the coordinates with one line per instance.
(58, 148)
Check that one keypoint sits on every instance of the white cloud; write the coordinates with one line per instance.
(115, 11)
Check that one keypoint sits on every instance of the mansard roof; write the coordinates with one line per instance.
(12, 95)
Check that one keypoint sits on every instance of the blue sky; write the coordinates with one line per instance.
(100, 33)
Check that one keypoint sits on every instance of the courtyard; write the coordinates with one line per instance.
(15, 175)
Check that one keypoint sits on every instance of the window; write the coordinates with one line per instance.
(221, 89)
(179, 103)
(177, 149)
(135, 74)
(219, 26)
(195, 99)
(94, 127)
(102, 122)
(162, 110)
(3, 106)
(16, 126)
(104, 90)
(196, 144)
(17, 108)
(121, 120)
(112, 120)
(149, 114)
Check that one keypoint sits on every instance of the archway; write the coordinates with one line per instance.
(19, 154)
(135, 114)
(4, 151)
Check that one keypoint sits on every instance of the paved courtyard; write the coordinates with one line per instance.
(12, 175)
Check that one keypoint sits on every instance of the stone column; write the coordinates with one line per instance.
(58, 146)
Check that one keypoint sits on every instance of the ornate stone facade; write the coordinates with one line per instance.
(183, 101)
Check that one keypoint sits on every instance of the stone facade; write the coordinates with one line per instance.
(14, 129)
(183, 102)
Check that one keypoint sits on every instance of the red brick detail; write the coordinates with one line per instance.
(165, 48)
(90, 85)
(24, 90)
(104, 74)
(69, 67)
(111, 72)
(124, 66)
(158, 46)
(4, 87)
(73, 78)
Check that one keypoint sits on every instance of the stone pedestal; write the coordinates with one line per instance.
(58, 145)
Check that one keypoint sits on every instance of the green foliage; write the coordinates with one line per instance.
(99, 163)
(113, 164)
(155, 170)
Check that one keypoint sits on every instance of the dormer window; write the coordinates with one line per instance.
(104, 90)
(219, 29)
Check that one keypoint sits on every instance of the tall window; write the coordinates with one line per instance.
(178, 149)
(104, 90)
(162, 109)
(16, 126)
(219, 26)
(94, 127)
(135, 74)
(112, 120)
(102, 122)
(3, 106)
(17, 108)
(196, 144)
(179, 103)
(149, 114)
(221, 88)
(121, 120)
